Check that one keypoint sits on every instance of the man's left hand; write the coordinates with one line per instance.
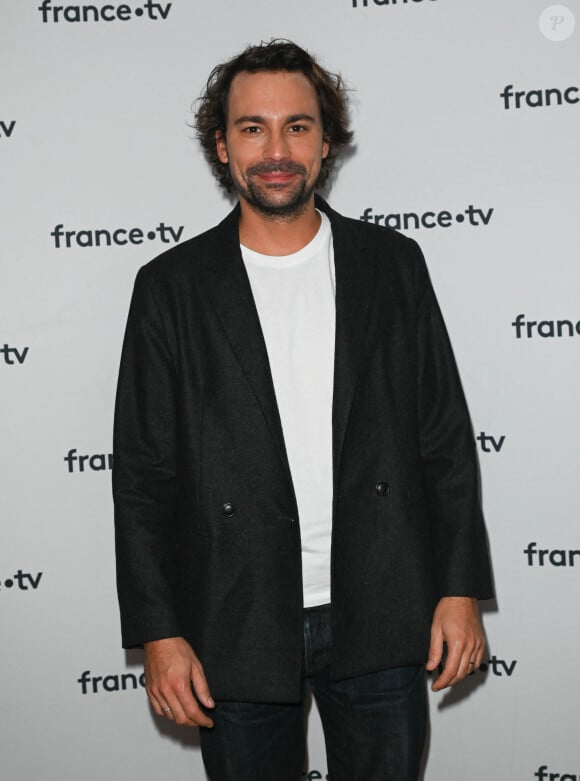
(456, 623)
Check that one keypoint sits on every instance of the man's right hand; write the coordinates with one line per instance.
(171, 669)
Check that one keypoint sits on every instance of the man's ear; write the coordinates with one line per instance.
(221, 147)
(325, 145)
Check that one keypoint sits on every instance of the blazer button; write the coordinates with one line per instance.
(228, 509)
(382, 489)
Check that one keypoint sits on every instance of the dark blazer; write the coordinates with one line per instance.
(207, 527)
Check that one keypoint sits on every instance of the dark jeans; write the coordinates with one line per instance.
(374, 725)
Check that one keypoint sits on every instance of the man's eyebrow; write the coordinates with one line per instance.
(249, 118)
(300, 118)
(258, 120)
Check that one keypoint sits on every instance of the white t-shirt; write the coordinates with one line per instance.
(295, 299)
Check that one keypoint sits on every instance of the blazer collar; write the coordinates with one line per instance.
(231, 296)
(355, 294)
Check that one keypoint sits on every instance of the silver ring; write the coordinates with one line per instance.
(166, 710)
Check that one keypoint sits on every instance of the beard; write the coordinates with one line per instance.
(265, 197)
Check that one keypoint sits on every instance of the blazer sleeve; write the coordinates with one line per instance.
(144, 474)
(450, 467)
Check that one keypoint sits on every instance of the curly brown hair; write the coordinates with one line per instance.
(277, 55)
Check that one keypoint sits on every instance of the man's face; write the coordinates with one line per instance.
(274, 143)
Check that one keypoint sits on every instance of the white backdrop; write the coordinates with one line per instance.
(94, 136)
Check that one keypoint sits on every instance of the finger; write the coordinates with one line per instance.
(466, 665)
(201, 687)
(176, 712)
(189, 713)
(166, 703)
(474, 662)
(477, 656)
(197, 717)
(160, 707)
(435, 650)
(167, 713)
(178, 698)
(452, 664)
(186, 708)
(157, 704)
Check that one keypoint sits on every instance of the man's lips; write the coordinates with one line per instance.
(276, 173)
(277, 177)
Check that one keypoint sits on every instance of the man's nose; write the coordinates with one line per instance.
(277, 146)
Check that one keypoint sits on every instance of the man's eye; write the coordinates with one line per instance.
(297, 128)
(251, 129)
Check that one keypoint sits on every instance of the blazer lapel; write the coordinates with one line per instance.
(231, 296)
(355, 294)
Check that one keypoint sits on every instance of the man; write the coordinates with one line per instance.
(294, 476)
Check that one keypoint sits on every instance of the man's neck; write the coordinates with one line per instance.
(277, 236)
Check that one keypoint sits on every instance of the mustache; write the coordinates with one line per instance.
(282, 167)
